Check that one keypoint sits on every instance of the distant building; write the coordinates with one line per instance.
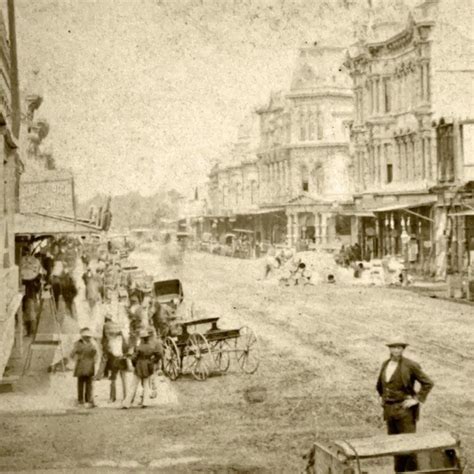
(289, 176)
(413, 105)
(317, 174)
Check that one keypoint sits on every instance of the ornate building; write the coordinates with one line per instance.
(404, 77)
(295, 186)
(321, 185)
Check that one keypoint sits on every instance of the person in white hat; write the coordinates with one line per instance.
(86, 353)
(115, 350)
(400, 401)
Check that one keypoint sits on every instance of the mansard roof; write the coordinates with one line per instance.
(320, 67)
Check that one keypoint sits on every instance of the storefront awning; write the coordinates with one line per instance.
(469, 212)
(265, 210)
(357, 213)
(40, 224)
(400, 206)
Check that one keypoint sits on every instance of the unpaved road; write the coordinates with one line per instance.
(320, 347)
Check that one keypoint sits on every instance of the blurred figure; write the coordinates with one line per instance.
(69, 291)
(30, 304)
(56, 278)
(93, 287)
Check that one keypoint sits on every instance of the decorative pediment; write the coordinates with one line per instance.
(302, 200)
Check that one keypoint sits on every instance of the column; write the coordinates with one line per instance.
(296, 229)
(432, 154)
(281, 190)
(421, 83)
(289, 229)
(404, 158)
(272, 180)
(427, 82)
(288, 180)
(416, 157)
(372, 96)
(324, 228)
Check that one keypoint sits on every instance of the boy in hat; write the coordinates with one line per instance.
(85, 352)
(143, 359)
(400, 401)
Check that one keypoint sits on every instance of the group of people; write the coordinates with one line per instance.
(349, 255)
(119, 351)
(47, 266)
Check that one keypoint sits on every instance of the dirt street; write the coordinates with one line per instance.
(320, 347)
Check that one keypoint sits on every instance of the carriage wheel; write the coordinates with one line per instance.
(220, 353)
(171, 359)
(247, 350)
(197, 349)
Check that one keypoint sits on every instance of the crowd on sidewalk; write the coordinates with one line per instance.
(121, 324)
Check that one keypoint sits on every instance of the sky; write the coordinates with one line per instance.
(143, 94)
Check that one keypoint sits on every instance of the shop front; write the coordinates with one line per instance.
(404, 231)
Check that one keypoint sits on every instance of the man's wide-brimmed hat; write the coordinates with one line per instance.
(397, 341)
(86, 332)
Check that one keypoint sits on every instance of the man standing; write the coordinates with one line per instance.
(85, 352)
(143, 359)
(400, 401)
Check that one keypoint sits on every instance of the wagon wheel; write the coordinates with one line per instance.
(247, 350)
(221, 356)
(171, 359)
(198, 349)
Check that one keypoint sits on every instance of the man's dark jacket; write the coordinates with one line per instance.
(410, 372)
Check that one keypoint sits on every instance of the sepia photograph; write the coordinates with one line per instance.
(238, 236)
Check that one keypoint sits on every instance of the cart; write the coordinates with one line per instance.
(202, 348)
(436, 452)
(168, 291)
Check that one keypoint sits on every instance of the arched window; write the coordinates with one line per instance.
(311, 125)
(319, 119)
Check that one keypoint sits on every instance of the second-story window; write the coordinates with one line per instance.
(253, 192)
(386, 94)
(304, 179)
(302, 125)
(445, 147)
(319, 120)
(311, 119)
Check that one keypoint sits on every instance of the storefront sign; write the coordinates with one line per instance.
(52, 197)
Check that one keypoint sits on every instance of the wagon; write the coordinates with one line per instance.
(203, 348)
(435, 452)
(167, 291)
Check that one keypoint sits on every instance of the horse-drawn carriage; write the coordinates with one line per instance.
(198, 346)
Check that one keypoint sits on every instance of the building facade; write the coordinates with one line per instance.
(304, 158)
(10, 296)
(292, 182)
(404, 91)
